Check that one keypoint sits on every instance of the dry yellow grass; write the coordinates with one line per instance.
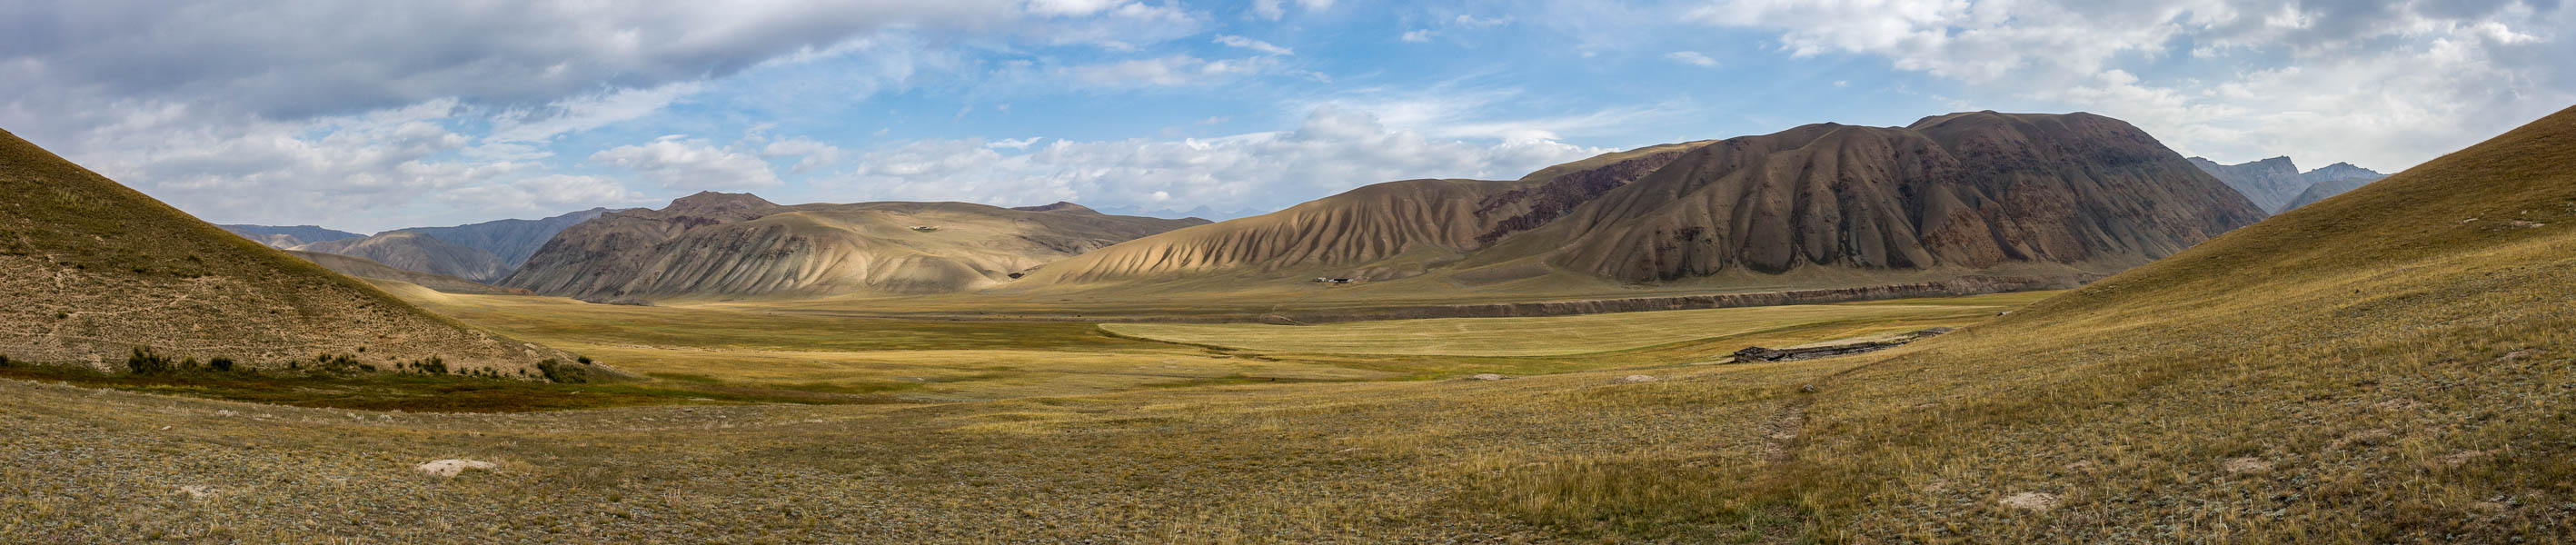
(1555, 335)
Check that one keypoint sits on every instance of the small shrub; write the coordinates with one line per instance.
(220, 364)
(585, 360)
(4, 360)
(557, 372)
(144, 362)
(432, 365)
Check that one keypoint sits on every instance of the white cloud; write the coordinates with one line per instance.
(547, 193)
(1252, 44)
(585, 112)
(1170, 71)
(1071, 8)
(1417, 36)
(810, 153)
(1471, 21)
(2381, 84)
(1017, 144)
(678, 162)
(1332, 151)
(1272, 9)
(1693, 58)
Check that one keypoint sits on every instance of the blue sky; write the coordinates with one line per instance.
(368, 117)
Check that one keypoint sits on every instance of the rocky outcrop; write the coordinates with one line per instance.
(2270, 183)
(2334, 179)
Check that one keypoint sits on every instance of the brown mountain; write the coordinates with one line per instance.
(91, 270)
(2062, 196)
(714, 245)
(416, 251)
(1386, 230)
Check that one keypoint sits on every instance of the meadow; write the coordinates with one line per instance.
(961, 360)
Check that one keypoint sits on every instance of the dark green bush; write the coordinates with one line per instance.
(560, 373)
(432, 365)
(4, 360)
(220, 364)
(144, 362)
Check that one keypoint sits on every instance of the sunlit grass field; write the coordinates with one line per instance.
(935, 360)
(1562, 335)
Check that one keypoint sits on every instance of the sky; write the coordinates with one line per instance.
(370, 116)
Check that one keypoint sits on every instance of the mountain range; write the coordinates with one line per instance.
(288, 237)
(2066, 197)
(2277, 185)
(1994, 200)
(479, 252)
(719, 245)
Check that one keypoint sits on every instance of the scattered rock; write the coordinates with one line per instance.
(1807, 388)
(2522, 224)
(2514, 356)
(452, 467)
(197, 491)
(2247, 464)
(1487, 376)
(2080, 466)
(2030, 501)
(2466, 221)
(1633, 379)
(1936, 486)
(2398, 404)
(2461, 458)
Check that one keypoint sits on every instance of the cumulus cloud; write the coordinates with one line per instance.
(362, 115)
(679, 162)
(1417, 36)
(2382, 84)
(1331, 150)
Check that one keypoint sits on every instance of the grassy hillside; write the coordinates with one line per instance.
(91, 271)
(2392, 364)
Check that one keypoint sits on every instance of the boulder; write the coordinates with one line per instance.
(453, 467)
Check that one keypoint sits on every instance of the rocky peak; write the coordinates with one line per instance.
(710, 202)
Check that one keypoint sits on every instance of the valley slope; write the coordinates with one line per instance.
(91, 271)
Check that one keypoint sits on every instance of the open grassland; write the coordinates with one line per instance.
(1534, 460)
(2390, 365)
(1561, 335)
(933, 360)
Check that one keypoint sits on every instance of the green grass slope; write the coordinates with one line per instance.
(2390, 365)
(91, 270)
